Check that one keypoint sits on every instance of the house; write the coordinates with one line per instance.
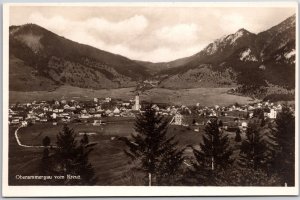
(155, 107)
(72, 108)
(55, 110)
(107, 99)
(177, 119)
(92, 110)
(30, 116)
(97, 122)
(126, 104)
(116, 111)
(85, 116)
(84, 111)
(97, 115)
(43, 120)
(108, 112)
(272, 114)
(15, 121)
(65, 114)
(244, 124)
(24, 123)
(66, 106)
(279, 107)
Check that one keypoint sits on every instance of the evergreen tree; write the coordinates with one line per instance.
(285, 135)
(46, 141)
(84, 168)
(72, 159)
(45, 163)
(157, 154)
(253, 149)
(213, 155)
(220, 123)
(238, 137)
(257, 150)
(85, 139)
(194, 122)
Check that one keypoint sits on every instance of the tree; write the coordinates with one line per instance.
(259, 114)
(45, 163)
(254, 149)
(84, 168)
(194, 122)
(46, 141)
(220, 123)
(156, 154)
(214, 154)
(72, 159)
(285, 136)
(85, 139)
(238, 137)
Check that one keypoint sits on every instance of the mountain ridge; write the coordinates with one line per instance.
(241, 58)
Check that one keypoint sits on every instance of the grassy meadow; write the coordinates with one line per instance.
(111, 164)
(204, 96)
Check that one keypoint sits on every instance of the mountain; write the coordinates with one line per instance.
(42, 60)
(242, 58)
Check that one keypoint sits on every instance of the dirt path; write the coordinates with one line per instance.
(23, 145)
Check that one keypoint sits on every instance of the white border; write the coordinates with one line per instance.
(80, 191)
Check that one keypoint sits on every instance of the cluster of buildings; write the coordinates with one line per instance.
(95, 110)
(233, 117)
(69, 111)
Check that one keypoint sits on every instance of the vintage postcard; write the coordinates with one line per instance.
(150, 99)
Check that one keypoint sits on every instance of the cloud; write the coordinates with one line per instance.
(179, 34)
(232, 22)
(152, 34)
(111, 32)
(128, 37)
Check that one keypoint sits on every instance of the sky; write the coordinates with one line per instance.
(148, 33)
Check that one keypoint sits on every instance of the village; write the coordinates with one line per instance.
(98, 110)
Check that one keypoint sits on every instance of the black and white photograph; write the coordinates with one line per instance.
(176, 98)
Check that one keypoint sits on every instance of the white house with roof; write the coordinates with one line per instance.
(54, 115)
(97, 122)
(177, 119)
(116, 111)
(272, 114)
(279, 107)
(107, 99)
(66, 106)
(24, 123)
(108, 111)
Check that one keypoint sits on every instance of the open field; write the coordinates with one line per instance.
(108, 158)
(69, 92)
(204, 96)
